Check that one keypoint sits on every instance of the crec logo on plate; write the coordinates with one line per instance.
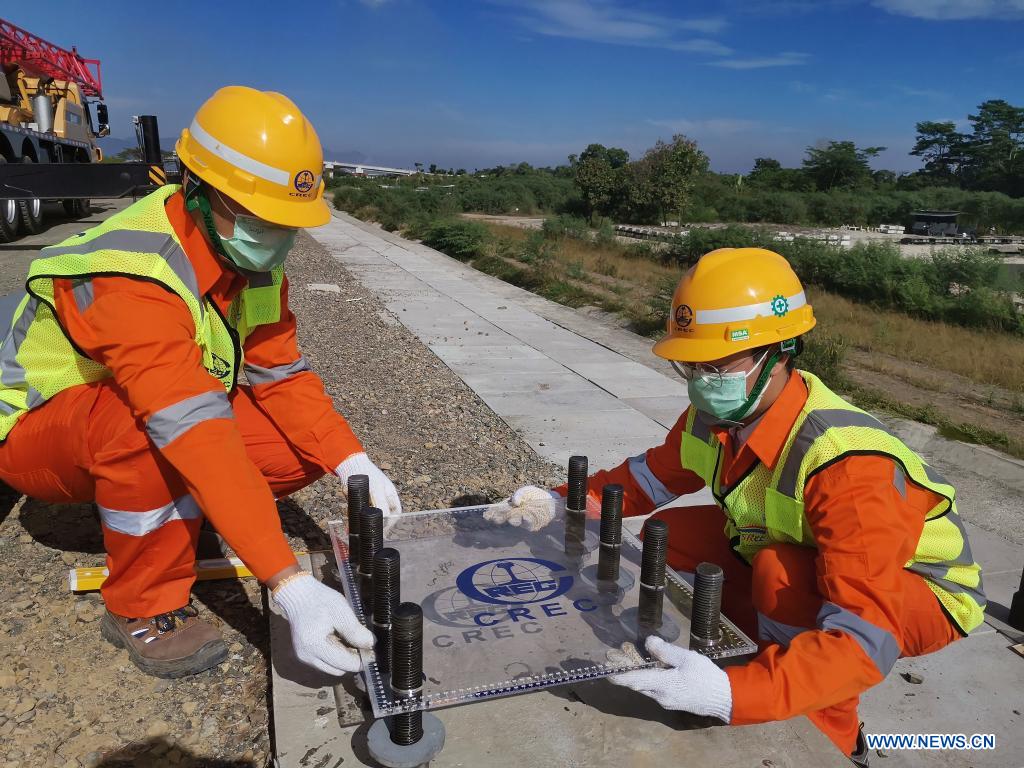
(514, 581)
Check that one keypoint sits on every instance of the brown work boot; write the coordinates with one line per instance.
(172, 644)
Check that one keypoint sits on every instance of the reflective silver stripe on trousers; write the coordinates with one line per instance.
(775, 631)
(651, 485)
(260, 375)
(814, 426)
(141, 523)
(879, 644)
(170, 423)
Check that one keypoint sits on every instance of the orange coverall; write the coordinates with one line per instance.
(89, 442)
(865, 531)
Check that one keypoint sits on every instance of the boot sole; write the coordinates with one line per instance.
(209, 655)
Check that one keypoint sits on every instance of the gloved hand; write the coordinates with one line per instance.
(530, 507)
(315, 613)
(692, 682)
(383, 494)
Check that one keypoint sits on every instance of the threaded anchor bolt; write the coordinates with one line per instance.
(407, 670)
(611, 533)
(576, 499)
(371, 539)
(705, 626)
(652, 573)
(386, 597)
(358, 500)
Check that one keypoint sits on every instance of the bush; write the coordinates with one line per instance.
(462, 240)
(823, 355)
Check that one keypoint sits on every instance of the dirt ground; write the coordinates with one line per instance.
(67, 698)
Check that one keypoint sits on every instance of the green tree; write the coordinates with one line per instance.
(672, 169)
(840, 165)
(996, 148)
(943, 148)
(594, 172)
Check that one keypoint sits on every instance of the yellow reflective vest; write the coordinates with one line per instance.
(38, 359)
(767, 505)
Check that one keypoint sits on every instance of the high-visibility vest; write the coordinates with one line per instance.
(38, 359)
(767, 505)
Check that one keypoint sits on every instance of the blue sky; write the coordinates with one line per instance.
(474, 83)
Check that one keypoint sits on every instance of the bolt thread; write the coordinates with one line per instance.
(407, 728)
(407, 647)
(358, 500)
(386, 597)
(577, 496)
(652, 562)
(611, 533)
(707, 603)
(371, 538)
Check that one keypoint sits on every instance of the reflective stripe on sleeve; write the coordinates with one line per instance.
(260, 375)
(141, 523)
(777, 632)
(899, 480)
(879, 644)
(651, 485)
(170, 423)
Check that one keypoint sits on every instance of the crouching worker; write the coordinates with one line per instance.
(120, 385)
(842, 549)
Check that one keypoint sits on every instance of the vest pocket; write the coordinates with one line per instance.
(784, 517)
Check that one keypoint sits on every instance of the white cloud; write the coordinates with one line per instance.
(943, 10)
(785, 59)
(374, 3)
(602, 21)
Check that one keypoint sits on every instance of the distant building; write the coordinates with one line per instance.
(935, 223)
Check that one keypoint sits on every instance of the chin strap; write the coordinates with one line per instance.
(196, 200)
(787, 347)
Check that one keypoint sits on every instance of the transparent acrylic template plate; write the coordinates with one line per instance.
(506, 611)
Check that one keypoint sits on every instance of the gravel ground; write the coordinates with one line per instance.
(67, 698)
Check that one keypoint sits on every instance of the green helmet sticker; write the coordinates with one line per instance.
(739, 335)
(780, 306)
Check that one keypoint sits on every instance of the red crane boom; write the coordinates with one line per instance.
(20, 46)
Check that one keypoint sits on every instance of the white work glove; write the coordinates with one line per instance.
(692, 682)
(383, 494)
(530, 507)
(317, 615)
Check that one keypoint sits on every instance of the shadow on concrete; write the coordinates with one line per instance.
(616, 700)
(158, 752)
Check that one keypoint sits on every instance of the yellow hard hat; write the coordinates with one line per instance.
(258, 148)
(731, 300)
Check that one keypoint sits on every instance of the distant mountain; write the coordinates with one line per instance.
(111, 145)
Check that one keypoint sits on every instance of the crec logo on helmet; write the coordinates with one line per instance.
(304, 181)
(684, 316)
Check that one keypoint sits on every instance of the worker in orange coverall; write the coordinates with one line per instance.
(120, 385)
(842, 549)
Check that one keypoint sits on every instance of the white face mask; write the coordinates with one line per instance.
(255, 244)
(724, 395)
